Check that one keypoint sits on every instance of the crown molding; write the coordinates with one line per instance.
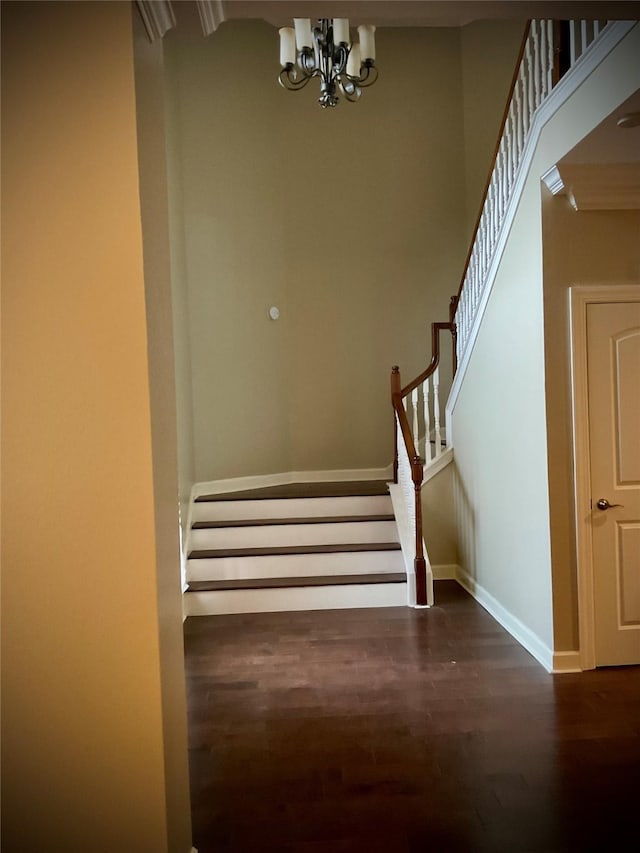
(596, 186)
(212, 14)
(157, 17)
(553, 180)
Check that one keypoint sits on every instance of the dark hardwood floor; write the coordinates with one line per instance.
(399, 730)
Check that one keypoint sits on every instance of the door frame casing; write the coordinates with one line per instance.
(580, 296)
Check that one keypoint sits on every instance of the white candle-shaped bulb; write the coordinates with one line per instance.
(287, 46)
(304, 38)
(367, 41)
(341, 30)
(353, 63)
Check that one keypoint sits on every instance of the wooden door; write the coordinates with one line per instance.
(613, 366)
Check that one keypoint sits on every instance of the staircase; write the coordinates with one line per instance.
(303, 546)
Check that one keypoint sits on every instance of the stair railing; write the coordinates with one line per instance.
(420, 401)
(549, 49)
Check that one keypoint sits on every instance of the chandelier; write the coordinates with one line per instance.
(326, 51)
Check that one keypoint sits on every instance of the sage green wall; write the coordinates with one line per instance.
(580, 248)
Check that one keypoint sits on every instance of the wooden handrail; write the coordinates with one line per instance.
(496, 151)
(398, 393)
(436, 328)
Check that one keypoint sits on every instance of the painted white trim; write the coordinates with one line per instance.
(611, 36)
(157, 17)
(566, 662)
(212, 14)
(406, 538)
(436, 465)
(240, 484)
(580, 296)
(446, 572)
(552, 179)
(518, 630)
(282, 599)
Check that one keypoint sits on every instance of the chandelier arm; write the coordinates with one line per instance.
(292, 79)
(351, 94)
(368, 75)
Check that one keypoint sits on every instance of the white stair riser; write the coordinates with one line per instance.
(295, 598)
(291, 508)
(295, 565)
(278, 535)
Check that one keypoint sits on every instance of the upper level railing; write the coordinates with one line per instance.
(549, 49)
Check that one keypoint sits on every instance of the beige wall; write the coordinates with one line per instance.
(499, 435)
(350, 221)
(489, 51)
(503, 489)
(149, 91)
(179, 296)
(438, 519)
(599, 248)
(92, 693)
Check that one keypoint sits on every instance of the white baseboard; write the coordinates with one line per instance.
(518, 630)
(567, 662)
(445, 572)
(260, 481)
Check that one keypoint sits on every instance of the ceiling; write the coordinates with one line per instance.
(426, 13)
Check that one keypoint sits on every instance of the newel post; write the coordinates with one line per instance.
(419, 563)
(396, 388)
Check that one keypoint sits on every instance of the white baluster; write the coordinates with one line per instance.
(436, 410)
(573, 43)
(549, 56)
(536, 64)
(414, 404)
(519, 125)
(531, 73)
(526, 116)
(584, 37)
(543, 60)
(493, 210)
(427, 422)
(514, 143)
(503, 175)
(509, 153)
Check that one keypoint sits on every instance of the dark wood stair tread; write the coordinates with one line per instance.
(268, 522)
(214, 553)
(283, 583)
(355, 488)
